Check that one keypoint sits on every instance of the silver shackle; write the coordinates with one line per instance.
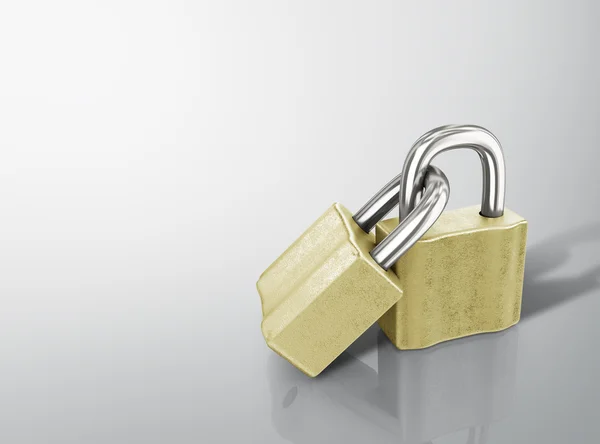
(379, 205)
(435, 196)
(449, 137)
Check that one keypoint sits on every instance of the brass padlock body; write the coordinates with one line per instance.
(323, 292)
(464, 277)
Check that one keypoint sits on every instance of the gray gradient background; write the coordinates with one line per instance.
(156, 156)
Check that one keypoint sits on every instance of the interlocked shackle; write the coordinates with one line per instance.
(447, 138)
(435, 196)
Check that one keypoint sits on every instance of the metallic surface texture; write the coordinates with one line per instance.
(449, 137)
(323, 292)
(415, 225)
(464, 277)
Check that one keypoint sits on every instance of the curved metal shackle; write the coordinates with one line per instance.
(412, 228)
(379, 205)
(447, 138)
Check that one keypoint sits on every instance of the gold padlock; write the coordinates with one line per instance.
(326, 289)
(465, 275)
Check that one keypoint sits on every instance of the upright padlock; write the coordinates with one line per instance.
(465, 275)
(326, 290)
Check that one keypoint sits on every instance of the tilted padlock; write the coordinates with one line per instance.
(465, 275)
(326, 289)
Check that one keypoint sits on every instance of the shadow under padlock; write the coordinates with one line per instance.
(412, 397)
(541, 291)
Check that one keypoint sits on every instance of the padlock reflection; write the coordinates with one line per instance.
(329, 409)
(461, 386)
(456, 385)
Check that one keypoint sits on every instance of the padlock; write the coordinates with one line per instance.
(465, 275)
(326, 290)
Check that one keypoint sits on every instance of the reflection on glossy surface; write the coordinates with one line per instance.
(412, 397)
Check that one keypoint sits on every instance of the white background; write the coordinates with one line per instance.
(157, 156)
